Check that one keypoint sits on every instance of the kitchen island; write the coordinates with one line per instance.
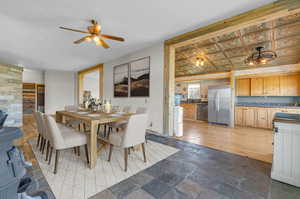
(195, 111)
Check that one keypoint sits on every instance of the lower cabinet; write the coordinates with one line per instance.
(259, 117)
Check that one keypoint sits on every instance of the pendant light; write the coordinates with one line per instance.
(260, 56)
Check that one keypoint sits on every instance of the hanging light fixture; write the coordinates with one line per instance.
(260, 56)
(199, 61)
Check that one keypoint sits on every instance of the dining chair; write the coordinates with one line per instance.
(140, 110)
(119, 124)
(63, 138)
(42, 134)
(72, 122)
(133, 134)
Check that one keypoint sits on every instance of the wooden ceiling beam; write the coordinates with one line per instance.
(260, 15)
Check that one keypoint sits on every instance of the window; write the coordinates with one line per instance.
(194, 91)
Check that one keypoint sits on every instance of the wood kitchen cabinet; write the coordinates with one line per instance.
(243, 87)
(257, 86)
(289, 85)
(271, 86)
(262, 118)
(259, 117)
(245, 116)
(189, 111)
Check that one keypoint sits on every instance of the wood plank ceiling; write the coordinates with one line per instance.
(228, 51)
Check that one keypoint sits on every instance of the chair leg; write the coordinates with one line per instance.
(110, 152)
(47, 150)
(78, 150)
(56, 161)
(144, 152)
(44, 146)
(38, 141)
(75, 152)
(41, 143)
(87, 153)
(78, 127)
(50, 155)
(98, 129)
(125, 158)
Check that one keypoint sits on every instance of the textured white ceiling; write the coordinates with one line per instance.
(30, 35)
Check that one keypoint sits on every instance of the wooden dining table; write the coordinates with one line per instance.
(93, 119)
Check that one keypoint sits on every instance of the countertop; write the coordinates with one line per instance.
(287, 118)
(268, 105)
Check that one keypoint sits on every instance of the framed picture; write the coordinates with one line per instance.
(140, 77)
(121, 74)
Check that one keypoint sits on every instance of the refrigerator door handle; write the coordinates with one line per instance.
(218, 102)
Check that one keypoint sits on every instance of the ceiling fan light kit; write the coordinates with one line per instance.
(260, 57)
(95, 35)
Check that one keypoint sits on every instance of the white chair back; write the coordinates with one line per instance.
(55, 137)
(135, 131)
(126, 109)
(141, 110)
(71, 108)
(40, 123)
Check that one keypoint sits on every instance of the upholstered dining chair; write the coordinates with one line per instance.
(63, 138)
(133, 134)
(140, 110)
(119, 124)
(42, 133)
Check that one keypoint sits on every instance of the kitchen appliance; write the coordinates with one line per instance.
(219, 104)
(178, 116)
(202, 111)
(286, 156)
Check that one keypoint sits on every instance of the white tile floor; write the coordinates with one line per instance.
(75, 180)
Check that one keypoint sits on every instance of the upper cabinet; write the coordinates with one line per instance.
(271, 86)
(257, 86)
(243, 87)
(288, 85)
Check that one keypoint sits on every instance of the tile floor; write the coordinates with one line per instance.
(202, 173)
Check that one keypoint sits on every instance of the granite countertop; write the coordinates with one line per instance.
(287, 118)
(268, 105)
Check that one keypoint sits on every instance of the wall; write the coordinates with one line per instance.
(11, 94)
(33, 76)
(267, 99)
(59, 90)
(154, 103)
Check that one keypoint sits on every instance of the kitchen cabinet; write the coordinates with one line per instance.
(257, 86)
(289, 85)
(189, 111)
(259, 117)
(262, 118)
(243, 87)
(245, 116)
(271, 86)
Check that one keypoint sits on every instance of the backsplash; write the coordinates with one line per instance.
(268, 100)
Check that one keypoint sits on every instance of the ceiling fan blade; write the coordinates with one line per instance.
(87, 38)
(104, 44)
(74, 30)
(112, 37)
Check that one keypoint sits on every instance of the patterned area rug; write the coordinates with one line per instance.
(75, 180)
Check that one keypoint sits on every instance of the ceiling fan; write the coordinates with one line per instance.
(95, 34)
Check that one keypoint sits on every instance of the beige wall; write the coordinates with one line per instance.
(11, 94)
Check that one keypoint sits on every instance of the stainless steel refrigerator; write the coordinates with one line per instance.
(219, 104)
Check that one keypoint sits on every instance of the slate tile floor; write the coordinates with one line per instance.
(201, 173)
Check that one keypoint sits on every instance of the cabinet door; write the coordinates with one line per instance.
(239, 116)
(257, 86)
(189, 111)
(262, 118)
(271, 114)
(289, 85)
(243, 87)
(271, 86)
(249, 117)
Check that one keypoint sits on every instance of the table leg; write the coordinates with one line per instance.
(93, 144)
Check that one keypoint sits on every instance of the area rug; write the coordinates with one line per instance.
(75, 180)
